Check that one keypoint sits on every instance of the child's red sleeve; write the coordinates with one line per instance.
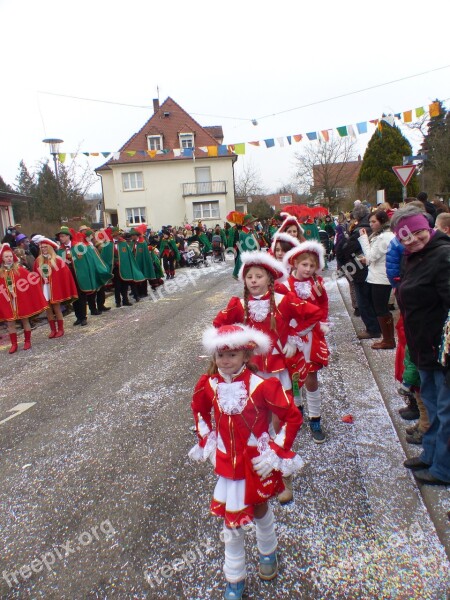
(201, 406)
(233, 313)
(290, 417)
(305, 313)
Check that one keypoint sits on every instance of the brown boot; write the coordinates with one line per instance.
(387, 329)
(366, 335)
(287, 494)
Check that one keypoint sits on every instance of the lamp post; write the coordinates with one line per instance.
(54, 144)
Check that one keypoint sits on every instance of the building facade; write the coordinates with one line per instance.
(171, 172)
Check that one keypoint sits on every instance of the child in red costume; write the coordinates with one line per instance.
(21, 296)
(249, 464)
(281, 244)
(305, 260)
(57, 283)
(270, 312)
(291, 226)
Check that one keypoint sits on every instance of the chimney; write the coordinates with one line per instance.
(155, 105)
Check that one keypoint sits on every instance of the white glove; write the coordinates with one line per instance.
(289, 350)
(324, 328)
(262, 466)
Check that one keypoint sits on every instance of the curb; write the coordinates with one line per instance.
(436, 499)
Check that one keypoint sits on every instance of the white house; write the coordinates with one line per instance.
(171, 172)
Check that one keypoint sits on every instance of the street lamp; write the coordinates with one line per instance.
(54, 144)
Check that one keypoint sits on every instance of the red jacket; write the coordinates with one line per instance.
(256, 399)
(20, 295)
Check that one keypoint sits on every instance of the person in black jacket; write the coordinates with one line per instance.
(423, 297)
(350, 255)
(429, 206)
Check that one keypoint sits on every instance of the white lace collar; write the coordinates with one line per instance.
(303, 289)
(259, 309)
(230, 378)
(232, 397)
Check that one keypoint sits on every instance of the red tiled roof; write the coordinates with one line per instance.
(169, 121)
(347, 173)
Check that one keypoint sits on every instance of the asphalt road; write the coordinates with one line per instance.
(99, 500)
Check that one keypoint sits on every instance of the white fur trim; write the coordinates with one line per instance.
(281, 236)
(309, 246)
(265, 260)
(213, 341)
(289, 220)
(44, 240)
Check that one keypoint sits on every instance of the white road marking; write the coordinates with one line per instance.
(18, 409)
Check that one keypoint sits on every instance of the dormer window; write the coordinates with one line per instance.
(155, 142)
(186, 140)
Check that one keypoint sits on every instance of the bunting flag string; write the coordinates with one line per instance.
(239, 148)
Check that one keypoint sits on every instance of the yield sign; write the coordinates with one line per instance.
(404, 173)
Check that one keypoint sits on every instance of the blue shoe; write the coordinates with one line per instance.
(316, 431)
(235, 591)
(268, 566)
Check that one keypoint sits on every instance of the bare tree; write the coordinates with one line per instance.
(249, 182)
(323, 168)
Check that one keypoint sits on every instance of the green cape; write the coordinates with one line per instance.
(144, 260)
(170, 243)
(247, 243)
(91, 272)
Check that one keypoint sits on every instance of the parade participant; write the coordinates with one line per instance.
(229, 235)
(423, 296)
(304, 281)
(247, 242)
(168, 251)
(248, 463)
(20, 296)
(291, 226)
(88, 270)
(275, 223)
(120, 259)
(57, 283)
(281, 244)
(310, 229)
(268, 311)
(143, 261)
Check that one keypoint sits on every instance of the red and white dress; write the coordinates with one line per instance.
(242, 407)
(20, 294)
(310, 339)
(57, 281)
(288, 307)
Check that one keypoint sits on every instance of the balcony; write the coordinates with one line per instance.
(204, 188)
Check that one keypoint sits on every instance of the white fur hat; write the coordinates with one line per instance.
(235, 337)
(44, 240)
(309, 246)
(288, 221)
(264, 260)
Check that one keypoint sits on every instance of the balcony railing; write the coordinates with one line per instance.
(204, 188)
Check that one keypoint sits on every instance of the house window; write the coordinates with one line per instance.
(132, 181)
(154, 142)
(285, 199)
(136, 215)
(206, 210)
(186, 140)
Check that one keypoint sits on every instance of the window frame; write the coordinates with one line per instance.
(126, 175)
(131, 211)
(186, 136)
(211, 204)
(286, 196)
(155, 138)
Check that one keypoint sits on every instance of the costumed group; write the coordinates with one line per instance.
(75, 269)
(265, 346)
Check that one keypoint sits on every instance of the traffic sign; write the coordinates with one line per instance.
(404, 173)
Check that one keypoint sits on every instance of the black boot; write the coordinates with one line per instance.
(411, 411)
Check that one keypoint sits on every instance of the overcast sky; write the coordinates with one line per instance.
(225, 63)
